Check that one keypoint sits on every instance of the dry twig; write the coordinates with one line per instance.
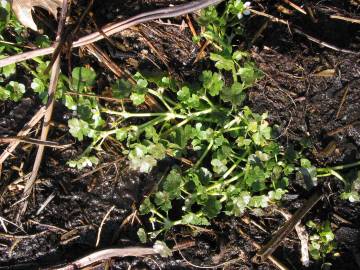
(117, 252)
(55, 70)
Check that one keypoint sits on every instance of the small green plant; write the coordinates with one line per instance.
(12, 87)
(322, 240)
(237, 164)
(221, 30)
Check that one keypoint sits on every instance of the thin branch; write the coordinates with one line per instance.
(11, 139)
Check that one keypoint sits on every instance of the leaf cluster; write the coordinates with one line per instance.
(322, 240)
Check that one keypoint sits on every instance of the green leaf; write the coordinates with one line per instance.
(193, 219)
(239, 203)
(137, 98)
(193, 101)
(43, 41)
(212, 82)
(252, 126)
(83, 78)
(241, 141)
(277, 194)
(234, 94)
(223, 61)
(143, 164)
(150, 133)
(142, 235)
(8, 70)
(121, 88)
(311, 224)
(238, 55)
(352, 196)
(259, 201)
(4, 93)
(70, 103)
(121, 134)
(305, 163)
(78, 128)
(249, 74)
(172, 184)
(212, 207)
(162, 199)
(140, 80)
(146, 207)
(16, 90)
(158, 151)
(37, 85)
(184, 93)
(219, 166)
(83, 162)
(162, 249)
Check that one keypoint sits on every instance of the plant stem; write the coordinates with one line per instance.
(161, 97)
(346, 166)
(198, 163)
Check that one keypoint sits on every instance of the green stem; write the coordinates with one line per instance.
(152, 122)
(124, 114)
(158, 214)
(204, 154)
(191, 116)
(161, 97)
(225, 183)
(208, 101)
(231, 169)
(346, 166)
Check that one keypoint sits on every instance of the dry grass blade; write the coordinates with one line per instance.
(11, 139)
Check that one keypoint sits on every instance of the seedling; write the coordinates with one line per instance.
(322, 241)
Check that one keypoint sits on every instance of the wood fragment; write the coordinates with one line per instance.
(296, 7)
(343, 99)
(343, 128)
(303, 237)
(342, 18)
(326, 73)
(102, 224)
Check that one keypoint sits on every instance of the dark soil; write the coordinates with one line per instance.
(312, 93)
